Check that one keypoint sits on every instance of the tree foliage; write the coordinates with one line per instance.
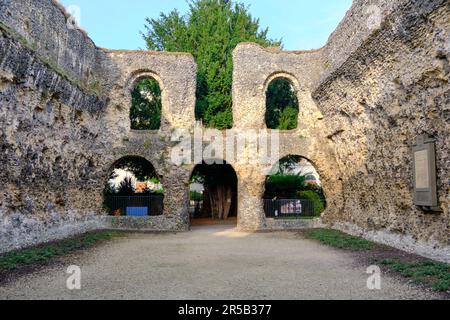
(139, 167)
(210, 31)
(281, 105)
(146, 105)
(288, 119)
(284, 186)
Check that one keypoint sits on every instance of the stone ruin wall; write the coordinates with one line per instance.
(64, 122)
(254, 69)
(374, 89)
(390, 89)
(48, 126)
(363, 98)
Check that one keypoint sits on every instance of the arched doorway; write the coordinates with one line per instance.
(133, 188)
(213, 194)
(293, 190)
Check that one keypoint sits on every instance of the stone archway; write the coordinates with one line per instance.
(294, 190)
(214, 192)
(133, 188)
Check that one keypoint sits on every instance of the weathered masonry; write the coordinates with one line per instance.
(364, 99)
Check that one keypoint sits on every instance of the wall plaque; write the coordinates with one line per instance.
(425, 180)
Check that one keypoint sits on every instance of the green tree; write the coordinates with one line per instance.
(146, 105)
(137, 166)
(210, 31)
(288, 119)
(281, 105)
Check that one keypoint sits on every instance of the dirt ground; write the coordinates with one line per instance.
(212, 262)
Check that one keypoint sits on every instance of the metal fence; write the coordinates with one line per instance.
(289, 208)
(145, 205)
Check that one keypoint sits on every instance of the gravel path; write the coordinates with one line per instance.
(213, 262)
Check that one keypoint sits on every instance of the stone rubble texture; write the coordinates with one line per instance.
(378, 83)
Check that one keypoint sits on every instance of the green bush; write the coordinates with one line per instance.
(210, 31)
(315, 198)
(284, 186)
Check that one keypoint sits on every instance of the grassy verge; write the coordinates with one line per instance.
(297, 218)
(419, 270)
(45, 253)
(340, 240)
(434, 274)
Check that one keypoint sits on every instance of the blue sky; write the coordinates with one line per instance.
(302, 24)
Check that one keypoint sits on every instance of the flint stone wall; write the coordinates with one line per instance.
(391, 88)
(374, 89)
(60, 132)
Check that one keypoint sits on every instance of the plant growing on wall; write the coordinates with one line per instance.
(210, 31)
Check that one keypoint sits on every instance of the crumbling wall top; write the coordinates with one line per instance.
(45, 27)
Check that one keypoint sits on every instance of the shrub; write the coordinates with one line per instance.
(284, 186)
(316, 199)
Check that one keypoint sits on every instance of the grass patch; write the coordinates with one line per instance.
(434, 274)
(297, 218)
(420, 271)
(340, 240)
(43, 254)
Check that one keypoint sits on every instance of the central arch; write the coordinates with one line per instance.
(213, 193)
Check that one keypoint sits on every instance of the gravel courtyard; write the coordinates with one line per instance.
(211, 262)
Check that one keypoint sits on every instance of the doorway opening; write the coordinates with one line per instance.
(213, 194)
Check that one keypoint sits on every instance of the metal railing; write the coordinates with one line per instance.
(145, 205)
(289, 208)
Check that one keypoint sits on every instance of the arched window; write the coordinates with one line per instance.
(133, 189)
(146, 105)
(282, 106)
